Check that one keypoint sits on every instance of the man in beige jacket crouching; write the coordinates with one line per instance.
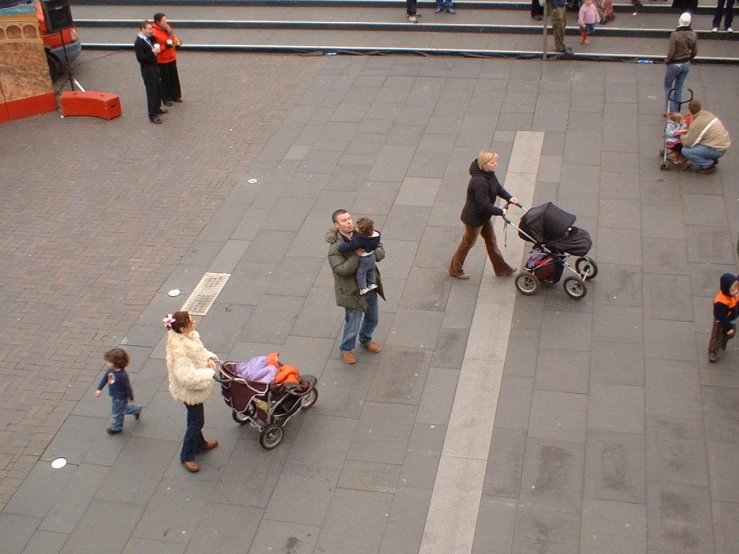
(706, 140)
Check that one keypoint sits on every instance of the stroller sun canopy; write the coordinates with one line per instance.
(545, 223)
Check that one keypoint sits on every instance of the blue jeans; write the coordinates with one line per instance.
(675, 78)
(122, 408)
(590, 28)
(701, 154)
(194, 439)
(353, 318)
(444, 4)
(366, 273)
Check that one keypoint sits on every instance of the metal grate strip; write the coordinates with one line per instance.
(208, 289)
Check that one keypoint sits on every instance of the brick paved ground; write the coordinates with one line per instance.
(87, 240)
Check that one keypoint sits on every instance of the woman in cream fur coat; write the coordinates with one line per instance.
(191, 368)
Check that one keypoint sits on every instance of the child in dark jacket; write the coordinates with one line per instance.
(725, 312)
(119, 388)
(366, 238)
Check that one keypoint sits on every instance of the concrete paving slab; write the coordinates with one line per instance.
(250, 476)
(98, 516)
(17, 530)
(303, 494)
(43, 542)
(724, 526)
(678, 518)
(382, 433)
(355, 522)
(71, 503)
(615, 466)
(552, 531)
(613, 527)
(300, 539)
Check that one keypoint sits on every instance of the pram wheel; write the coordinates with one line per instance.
(586, 267)
(527, 283)
(664, 166)
(271, 437)
(309, 399)
(575, 287)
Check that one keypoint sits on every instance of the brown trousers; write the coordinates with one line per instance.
(718, 340)
(468, 241)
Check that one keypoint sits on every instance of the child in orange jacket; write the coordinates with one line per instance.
(725, 312)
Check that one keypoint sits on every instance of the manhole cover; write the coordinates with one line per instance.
(205, 293)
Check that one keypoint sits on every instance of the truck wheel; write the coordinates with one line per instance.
(55, 66)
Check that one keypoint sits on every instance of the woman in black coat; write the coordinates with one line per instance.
(482, 192)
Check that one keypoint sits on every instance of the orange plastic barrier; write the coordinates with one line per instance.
(91, 103)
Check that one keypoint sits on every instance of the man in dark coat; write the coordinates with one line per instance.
(147, 48)
(361, 312)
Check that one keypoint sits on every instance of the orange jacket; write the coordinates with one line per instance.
(166, 55)
(285, 373)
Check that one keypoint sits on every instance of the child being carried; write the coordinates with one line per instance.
(364, 238)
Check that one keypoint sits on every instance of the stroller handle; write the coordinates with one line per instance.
(515, 204)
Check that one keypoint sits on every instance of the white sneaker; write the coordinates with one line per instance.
(729, 30)
(364, 291)
(714, 30)
(371, 286)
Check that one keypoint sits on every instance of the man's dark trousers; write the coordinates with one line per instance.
(150, 74)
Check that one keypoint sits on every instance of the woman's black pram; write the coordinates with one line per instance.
(265, 405)
(555, 237)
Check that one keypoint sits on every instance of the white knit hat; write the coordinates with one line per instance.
(684, 20)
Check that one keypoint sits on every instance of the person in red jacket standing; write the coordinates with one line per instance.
(167, 60)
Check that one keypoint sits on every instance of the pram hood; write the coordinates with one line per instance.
(545, 223)
(553, 227)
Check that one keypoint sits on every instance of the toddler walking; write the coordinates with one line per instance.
(586, 20)
(119, 388)
(365, 238)
(676, 126)
(725, 312)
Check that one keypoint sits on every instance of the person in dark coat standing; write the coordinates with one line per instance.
(482, 192)
(147, 48)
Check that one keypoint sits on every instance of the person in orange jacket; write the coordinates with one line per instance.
(167, 60)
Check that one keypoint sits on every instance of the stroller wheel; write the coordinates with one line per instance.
(527, 283)
(587, 268)
(664, 166)
(309, 399)
(661, 152)
(271, 437)
(575, 287)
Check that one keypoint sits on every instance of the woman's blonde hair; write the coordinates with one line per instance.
(484, 157)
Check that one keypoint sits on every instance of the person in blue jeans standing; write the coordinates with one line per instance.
(361, 312)
(683, 48)
(447, 5)
(119, 388)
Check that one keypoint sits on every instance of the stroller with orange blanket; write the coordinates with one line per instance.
(266, 405)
